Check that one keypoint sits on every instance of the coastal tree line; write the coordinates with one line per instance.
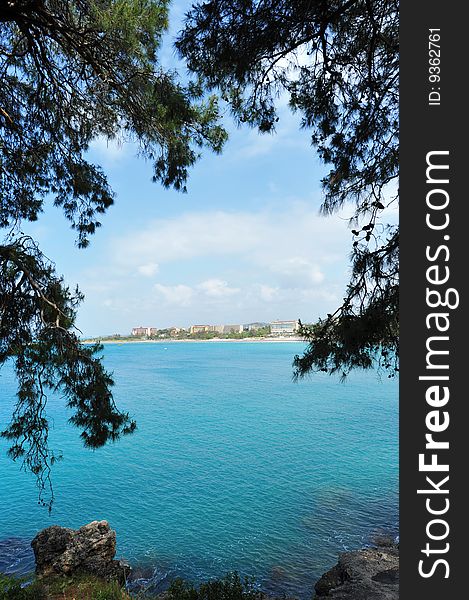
(73, 71)
(185, 334)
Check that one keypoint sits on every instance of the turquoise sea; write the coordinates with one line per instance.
(233, 466)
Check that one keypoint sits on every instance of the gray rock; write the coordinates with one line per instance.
(369, 574)
(90, 549)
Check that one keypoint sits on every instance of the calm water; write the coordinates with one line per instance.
(233, 467)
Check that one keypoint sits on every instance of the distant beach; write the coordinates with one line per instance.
(170, 341)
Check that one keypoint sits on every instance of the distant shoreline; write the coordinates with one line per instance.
(170, 341)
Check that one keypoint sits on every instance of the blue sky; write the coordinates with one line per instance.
(246, 243)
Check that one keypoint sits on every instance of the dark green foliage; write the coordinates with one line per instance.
(80, 587)
(230, 587)
(364, 331)
(11, 589)
(71, 72)
(36, 331)
(83, 587)
(338, 63)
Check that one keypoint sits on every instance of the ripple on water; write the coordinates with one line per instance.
(16, 556)
(233, 467)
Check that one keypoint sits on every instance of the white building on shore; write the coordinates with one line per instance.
(144, 331)
(284, 327)
(216, 328)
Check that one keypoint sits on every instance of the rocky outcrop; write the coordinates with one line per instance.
(369, 574)
(90, 549)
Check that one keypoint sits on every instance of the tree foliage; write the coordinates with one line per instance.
(36, 329)
(71, 72)
(337, 61)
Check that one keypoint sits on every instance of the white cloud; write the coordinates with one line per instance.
(178, 295)
(224, 267)
(109, 152)
(296, 238)
(148, 269)
(188, 236)
(268, 293)
(287, 134)
(298, 271)
(217, 288)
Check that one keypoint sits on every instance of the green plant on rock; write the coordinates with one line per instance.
(15, 589)
(229, 587)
